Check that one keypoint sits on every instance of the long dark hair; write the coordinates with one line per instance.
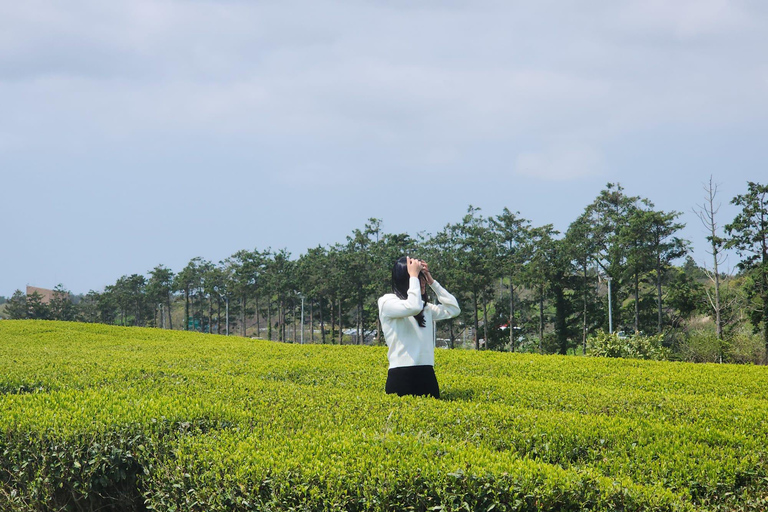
(400, 281)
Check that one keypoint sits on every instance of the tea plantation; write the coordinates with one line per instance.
(96, 417)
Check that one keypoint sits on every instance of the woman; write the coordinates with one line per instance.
(408, 323)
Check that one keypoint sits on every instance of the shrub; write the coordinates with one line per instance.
(701, 346)
(746, 347)
(637, 346)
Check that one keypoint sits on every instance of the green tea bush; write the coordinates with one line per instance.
(110, 418)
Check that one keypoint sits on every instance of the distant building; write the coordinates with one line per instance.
(46, 294)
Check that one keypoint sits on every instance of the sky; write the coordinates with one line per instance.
(138, 133)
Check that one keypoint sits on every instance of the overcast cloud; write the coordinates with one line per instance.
(147, 132)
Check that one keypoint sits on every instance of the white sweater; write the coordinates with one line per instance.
(409, 344)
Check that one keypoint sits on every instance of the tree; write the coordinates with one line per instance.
(360, 269)
(160, 294)
(314, 270)
(608, 215)
(204, 295)
(187, 281)
(119, 291)
(685, 295)
(247, 271)
(635, 236)
(130, 292)
(61, 307)
(707, 213)
(16, 308)
(336, 285)
(218, 283)
(472, 243)
(88, 308)
(37, 309)
(280, 278)
(542, 270)
(445, 263)
(512, 233)
(665, 248)
(563, 279)
(107, 305)
(748, 234)
(141, 308)
(582, 248)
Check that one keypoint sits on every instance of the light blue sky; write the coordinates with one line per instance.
(135, 133)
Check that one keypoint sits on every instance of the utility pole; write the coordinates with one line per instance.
(302, 319)
(610, 307)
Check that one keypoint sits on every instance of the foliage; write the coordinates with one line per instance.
(37, 309)
(96, 417)
(16, 307)
(514, 252)
(636, 346)
(61, 306)
(748, 234)
(607, 219)
(471, 247)
(746, 347)
(686, 295)
(87, 309)
(701, 346)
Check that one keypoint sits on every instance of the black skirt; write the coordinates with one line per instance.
(413, 380)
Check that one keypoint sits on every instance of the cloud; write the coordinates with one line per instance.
(442, 73)
(560, 163)
(308, 99)
(685, 19)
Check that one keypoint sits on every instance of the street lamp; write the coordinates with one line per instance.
(610, 306)
(224, 296)
(302, 319)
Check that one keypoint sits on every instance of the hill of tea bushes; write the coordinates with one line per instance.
(96, 417)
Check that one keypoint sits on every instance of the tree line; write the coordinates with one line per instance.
(521, 286)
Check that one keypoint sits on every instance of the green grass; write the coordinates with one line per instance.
(96, 417)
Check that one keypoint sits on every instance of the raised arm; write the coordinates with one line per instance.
(392, 307)
(448, 307)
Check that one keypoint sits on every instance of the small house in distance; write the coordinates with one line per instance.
(45, 294)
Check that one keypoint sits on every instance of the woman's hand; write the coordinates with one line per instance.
(414, 267)
(425, 270)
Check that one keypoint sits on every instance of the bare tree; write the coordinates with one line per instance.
(706, 213)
